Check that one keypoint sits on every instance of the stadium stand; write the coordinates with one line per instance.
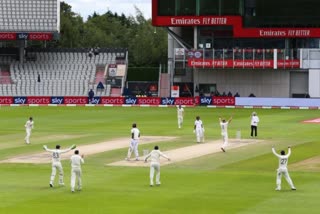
(26, 71)
(61, 72)
(29, 15)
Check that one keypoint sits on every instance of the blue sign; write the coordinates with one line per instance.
(206, 100)
(167, 100)
(22, 36)
(57, 100)
(96, 100)
(131, 100)
(20, 100)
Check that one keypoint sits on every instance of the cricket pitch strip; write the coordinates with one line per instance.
(189, 152)
(308, 165)
(90, 149)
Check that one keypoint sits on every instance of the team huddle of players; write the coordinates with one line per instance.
(154, 155)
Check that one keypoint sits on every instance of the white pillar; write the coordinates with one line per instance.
(195, 37)
(314, 79)
(275, 58)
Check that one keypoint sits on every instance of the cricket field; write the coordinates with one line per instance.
(242, 180)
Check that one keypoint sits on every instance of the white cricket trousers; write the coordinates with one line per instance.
(27, 138)
(55, 166)
(225, 140)
(155, 168)
(285, 173)
(200, 135)
(76, 173)
(180, 121)
(133, 148)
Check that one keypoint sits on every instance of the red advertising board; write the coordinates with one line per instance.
(149, 100)
(229, 63)
(188, 101)
(40, 36)
(224, 101)
(39, 100)
(75, 100)
(6, 100)
(112, 100)
(288, 63)
(196, 100)
(8, 36)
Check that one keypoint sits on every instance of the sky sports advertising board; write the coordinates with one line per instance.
(83, 100)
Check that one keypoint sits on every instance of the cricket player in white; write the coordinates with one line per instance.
(199, 130)
(224, 132)
(56, 164)
(180, 112)
(29, 127)
(135, 135)
(154, 155)
(76, 161)
(254, 124)
(283, 170)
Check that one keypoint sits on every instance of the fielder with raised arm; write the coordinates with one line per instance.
(224, 132)
(76, 161)
(198, 129)
(154, 155)
(283, 170)
(29, 127)
(56, 164)
(180, 113)
(135, 135)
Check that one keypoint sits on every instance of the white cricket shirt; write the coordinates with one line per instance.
(254, 120)
(154, 156)
(76, 161)
(283, 159)
(136, 133)
(198, 124)
(180, 112)
(56, 153)
(224, 127)
(29, 124)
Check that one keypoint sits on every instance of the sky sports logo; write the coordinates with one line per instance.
(95, 100)
(38, 100)
(112, 100)
(20, 100)
(22, 36)
(149, 101)
(57, 100)
(75, 100)
(167, 101)
(131, 100)
(206, 100)
(217, 101)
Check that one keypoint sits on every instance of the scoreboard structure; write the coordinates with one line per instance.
(267, 48)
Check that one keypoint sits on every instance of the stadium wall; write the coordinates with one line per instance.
(262, 83)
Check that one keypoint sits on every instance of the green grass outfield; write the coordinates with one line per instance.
(239, 181)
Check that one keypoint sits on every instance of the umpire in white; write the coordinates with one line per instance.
(254, 124)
